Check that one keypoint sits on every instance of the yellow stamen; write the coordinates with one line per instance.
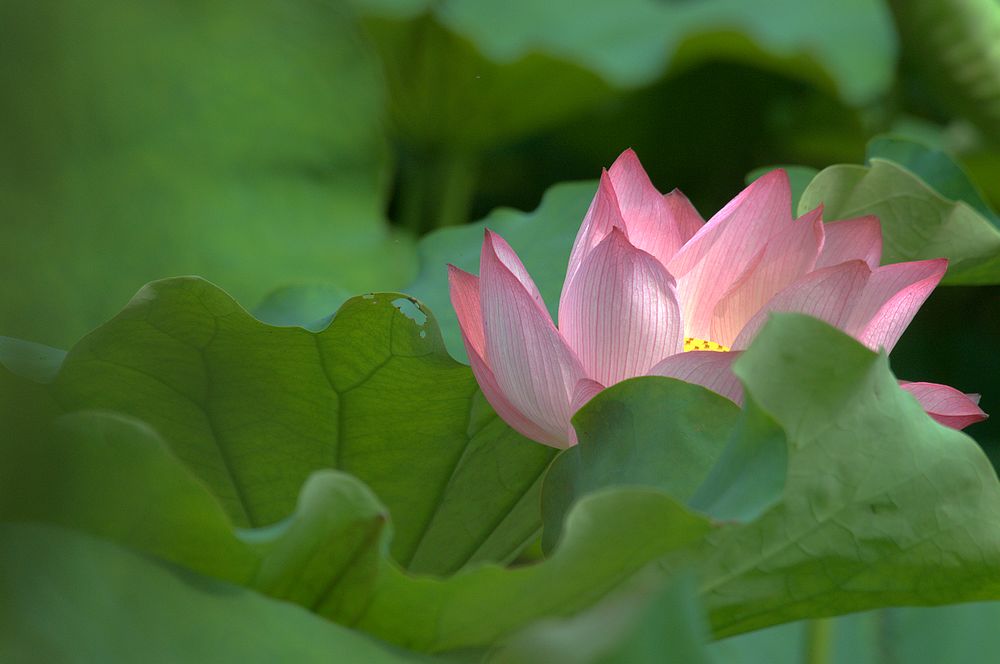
(692, 343)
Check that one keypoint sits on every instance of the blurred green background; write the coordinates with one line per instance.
(295, 152)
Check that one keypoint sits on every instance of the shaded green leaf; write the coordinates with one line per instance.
(749, 476)
(650, 431)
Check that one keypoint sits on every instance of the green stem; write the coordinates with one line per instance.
(435, 189)
(819, 638)
(412, 194)
(457, 179)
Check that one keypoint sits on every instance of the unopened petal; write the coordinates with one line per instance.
(827, 294)
(947, 405)
(534, 368)
(789, 255)
(657, 225)
(852, 239)
(721, 251)
(683, 215)
(891, 299)
(504, 408)
(710, 369)
(620, 313)
(464, 289)
(603, 215)
(498, 247)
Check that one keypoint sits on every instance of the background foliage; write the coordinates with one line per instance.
(299, 483)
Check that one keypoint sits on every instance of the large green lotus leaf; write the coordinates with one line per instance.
(649, 431)
(917, 222)
(238, 140)
(113, 476)
(68, 597)
(609, 536)
(253, 410)
(882, 505)
(476, 63)
(542, 238)
(634, 626)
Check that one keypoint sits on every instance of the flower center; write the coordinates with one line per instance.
(693, 343)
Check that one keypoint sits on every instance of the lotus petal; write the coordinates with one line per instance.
(464, 289)
(533, 366)
(710, 369)
(620, 313)
(722, 250)
(947, 405)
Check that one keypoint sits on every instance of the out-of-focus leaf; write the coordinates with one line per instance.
(113, 476)
(650, 431)
(917, 221)
(311, 307)
(630, 627)
(239, 140)
(960, 634)
(953, 44)
(957, 634)
(253, 410)
(782, 644)
(29, 360)
(542, 238)
(67, 597)
(883, 506)
(477, 61)
(935, 167)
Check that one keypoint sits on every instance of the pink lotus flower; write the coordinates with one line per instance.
(652, 289)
